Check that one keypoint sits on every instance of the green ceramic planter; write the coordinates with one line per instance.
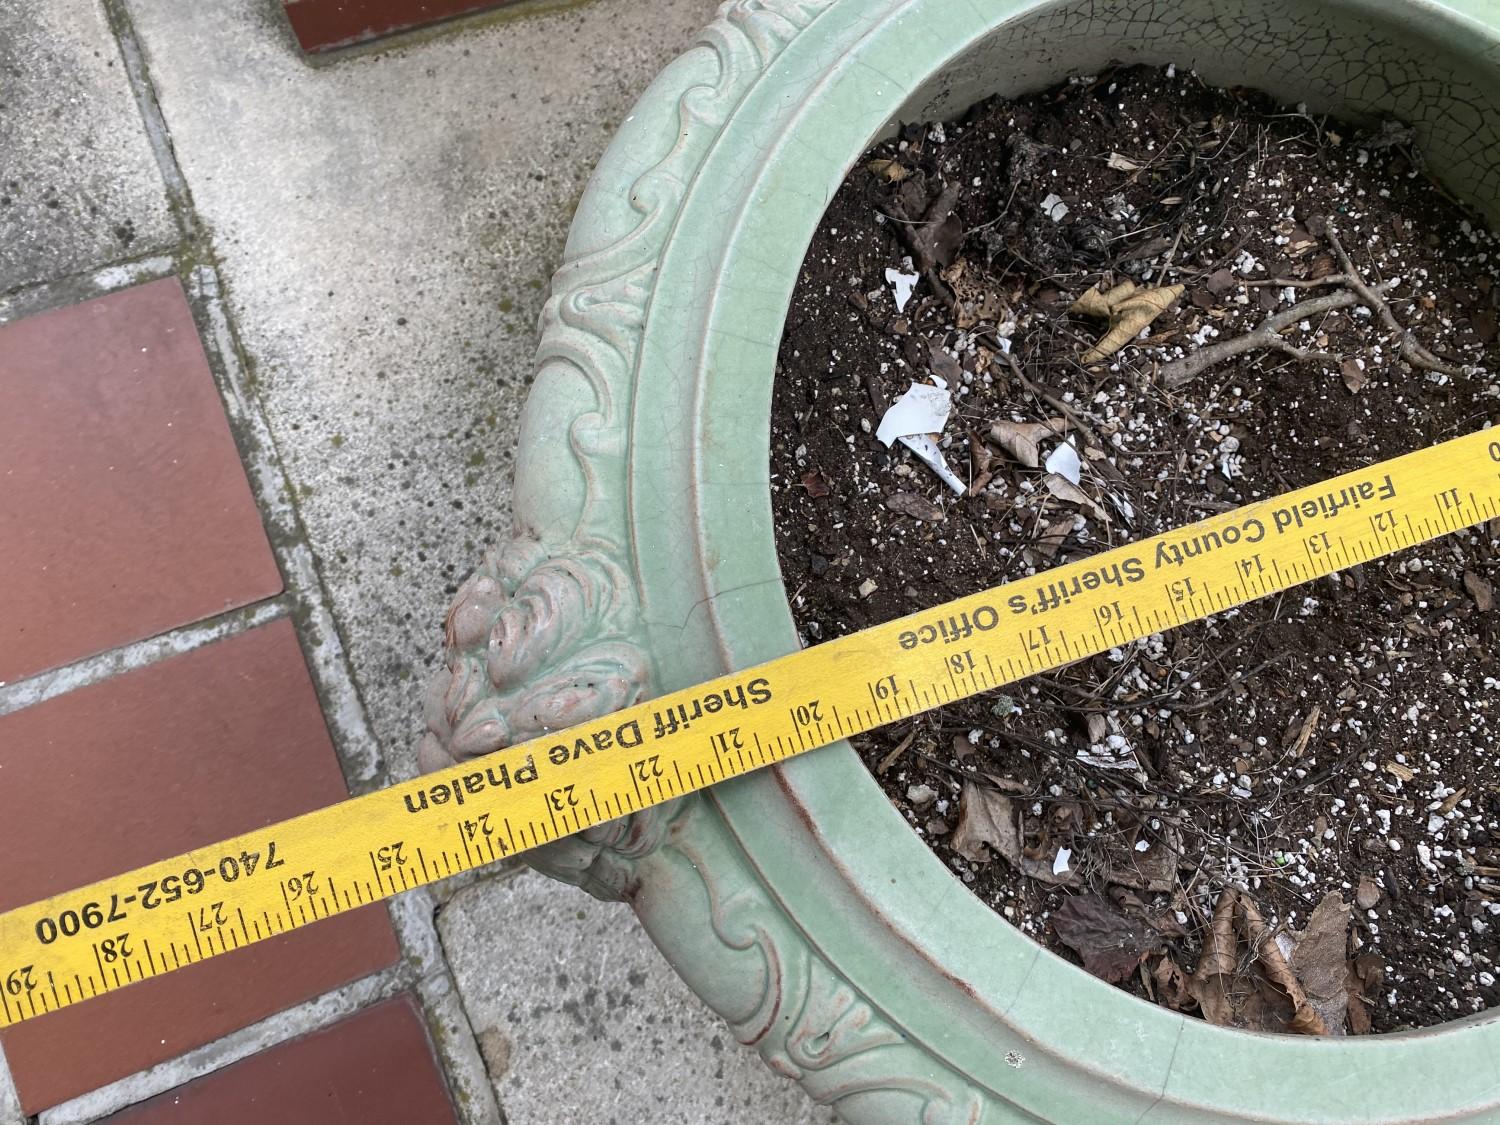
(796, 902)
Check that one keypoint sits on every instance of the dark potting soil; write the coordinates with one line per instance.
(1289, 807)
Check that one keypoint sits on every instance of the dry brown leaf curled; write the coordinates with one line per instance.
(816, 483)
(1244, 978)
(1129, 310)
(891, 171)
(1100, 303)
(1110, 943)
(1021, 440)
(1319, 961)
(989, 825)
(1354, 375)
(1069, 493)
(915, 506)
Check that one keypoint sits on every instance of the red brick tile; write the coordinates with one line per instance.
(374, 1068)
(321, 25)
(124, 510)
(173, 756)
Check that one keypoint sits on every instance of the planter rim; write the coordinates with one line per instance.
(864, 64)
(796, 902)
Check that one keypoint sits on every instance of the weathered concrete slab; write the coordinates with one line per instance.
(386, 227)
(580, 1019)
(79, 186)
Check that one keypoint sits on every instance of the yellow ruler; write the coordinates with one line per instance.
(216, 899)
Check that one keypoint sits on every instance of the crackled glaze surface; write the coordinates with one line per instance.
(795, 901)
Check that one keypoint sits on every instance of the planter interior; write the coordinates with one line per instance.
(892, 938)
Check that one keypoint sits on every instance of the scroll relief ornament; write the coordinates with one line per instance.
(537, 642)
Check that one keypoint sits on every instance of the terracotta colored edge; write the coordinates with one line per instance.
(326, 25)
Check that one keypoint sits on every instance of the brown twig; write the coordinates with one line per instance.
(1298, 282)
(922, 239)
(1266, 335)
(1411, 351)
(1051, 400)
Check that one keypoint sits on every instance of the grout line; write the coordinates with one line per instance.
(359, 752)
(312, 1015)
(158, 135)
(414, 915)
(70, 290)
(93, 669)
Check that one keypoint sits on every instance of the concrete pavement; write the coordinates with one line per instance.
(367, 241)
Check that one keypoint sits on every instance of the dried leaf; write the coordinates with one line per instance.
(1128, 309)
(1266, 991)
(915, 506)
(1480, 590)
(1122, 163)
(1100, 303)
(1153, 870)
(943, 365)
(1365, 975)
(1020, 440)
(1069, 493)
(1007, 784)
(1050, 542)
(1214, 984)
(891, 171)
(1359, 1013)
(981, 458)
(1066, 491)
(1171, 984)
(1367, 894)
(1110, 943)
(1319, 961)
(817, 484)
(1322, 266)
(1354, 375)
(1284, 1006)
(987, 819)
(1098, 726)
(986, 824)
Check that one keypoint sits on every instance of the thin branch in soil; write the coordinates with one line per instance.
(1411, 351)
(1051, 400)
(1298, 282)
(923, 238)
(1265, 336)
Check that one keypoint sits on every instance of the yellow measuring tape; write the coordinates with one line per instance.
(216, 899)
